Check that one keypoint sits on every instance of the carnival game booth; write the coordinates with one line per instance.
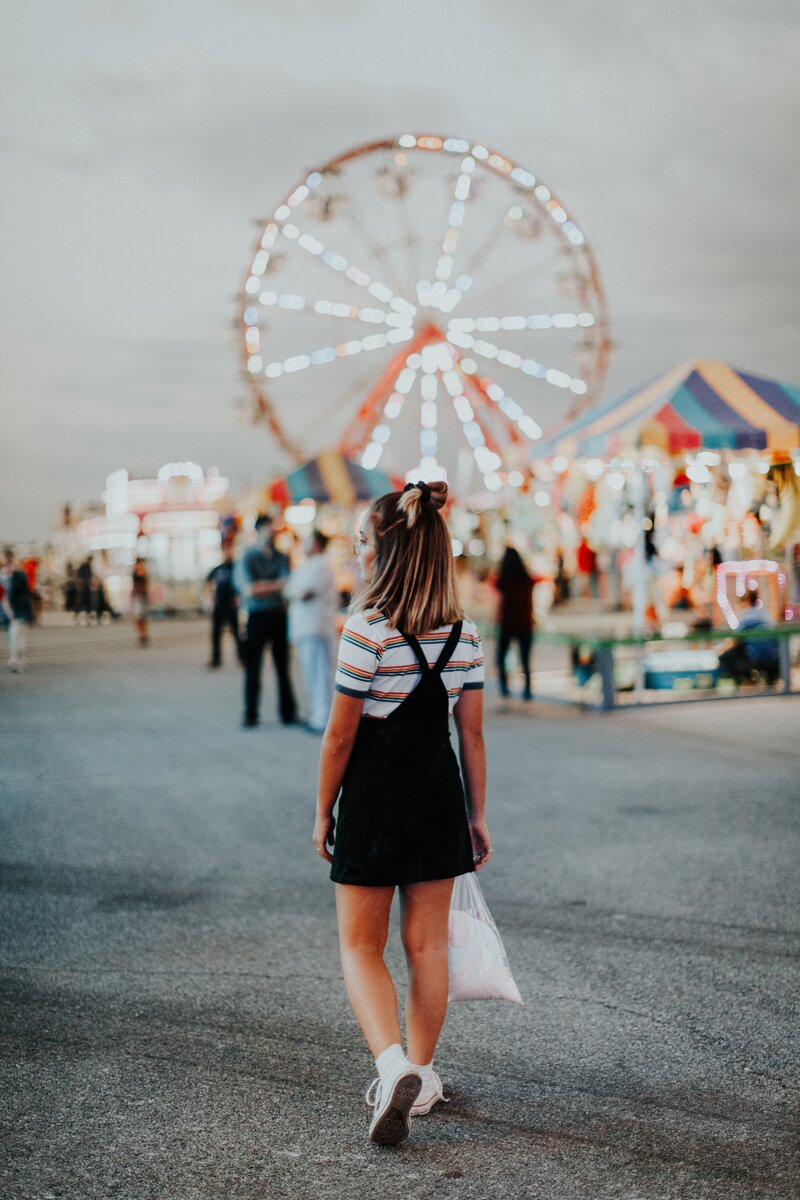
(705, 465)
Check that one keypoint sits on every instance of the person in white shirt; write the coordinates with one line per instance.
(313, 601)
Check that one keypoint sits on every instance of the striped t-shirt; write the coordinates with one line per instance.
(375, 661)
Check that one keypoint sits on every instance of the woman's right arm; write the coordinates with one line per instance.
(337, 746)
(468, 715)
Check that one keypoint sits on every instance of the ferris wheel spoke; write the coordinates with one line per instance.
(338, 262)
(328, 354)
(583, 320)
(358, 222)
(510, 358)
(494, 394)
(339, 309)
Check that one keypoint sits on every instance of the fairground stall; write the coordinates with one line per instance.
(688, 491)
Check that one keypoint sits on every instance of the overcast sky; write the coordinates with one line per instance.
(141, 139)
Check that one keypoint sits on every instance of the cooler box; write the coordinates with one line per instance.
(681, 670)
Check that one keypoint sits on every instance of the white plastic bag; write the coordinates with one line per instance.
(476, 958)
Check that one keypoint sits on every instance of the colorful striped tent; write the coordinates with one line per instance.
(699, 404)
(329, 479)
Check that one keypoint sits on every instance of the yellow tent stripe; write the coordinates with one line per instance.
(335, 477)
(747, 403)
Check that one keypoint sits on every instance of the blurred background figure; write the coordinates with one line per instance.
(743, 660)
(19, 605)
(260, 576)
(587, 571)
(313, 599)
(140, 600)
(84, 578)
(514, 616)
(70, 590)
(224, 606)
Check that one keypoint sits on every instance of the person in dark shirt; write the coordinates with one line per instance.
(739, 659)
(514, 617)
(259, 576)
(225, 607)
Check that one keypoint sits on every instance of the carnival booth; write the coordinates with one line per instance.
(694, 481)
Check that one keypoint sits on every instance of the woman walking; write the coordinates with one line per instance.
(514, 617)
(408, 658)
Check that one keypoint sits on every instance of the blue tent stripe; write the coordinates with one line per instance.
(785, 400)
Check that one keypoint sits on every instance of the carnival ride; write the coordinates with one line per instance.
(426, 277)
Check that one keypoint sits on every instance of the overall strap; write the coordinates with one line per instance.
(415, 646)
(449, 647)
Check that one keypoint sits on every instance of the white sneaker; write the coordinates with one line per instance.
(430, 1094)
(392, 1097)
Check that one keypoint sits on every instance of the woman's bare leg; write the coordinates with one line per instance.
(425, 911)
(363, 915)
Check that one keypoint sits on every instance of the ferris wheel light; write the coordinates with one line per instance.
(485, 324)
(542, 193)
(513, 323)
(573, 233)
(293, 302)
(464, 282)
(407, 141)
(269, 236)
(375, 341)
(474, 434)
(485, 349)
(560, 464)
(542, 499)
(311, 244)
(469, 366)
(381, 434)
(337, 261)
(429, 387)
(558, 378)
(558, 214)
(380, 291)
(393, 406)
(260, 262)
(428, 414)
(405, 381)
(463, 184)
(450, 300)
(282, 212)
(499, 163)
(428, 442)
(273, 370)
(402, 306)
(578, 387)
(373, 316)
(531, 367)
(371, 456)
(357, 275)
(320, 357)
(429, 143)
(298, 196)
(480, 152)
(585, 320)
(513, 410)
(493, 482)
(414, 361)
(464, 410)
(524, 178)
(457, 210)
(250, 315)
(252, 338)
(516, 479)
(254, 364)
(458, 338)
(456, 145)
(290, 231)
(297, 362)
(252, 285)
(452, 382)
(400, 335)
(529, 427)
(314, 179)
(565, 320)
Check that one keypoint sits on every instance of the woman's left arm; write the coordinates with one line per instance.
(337, 746)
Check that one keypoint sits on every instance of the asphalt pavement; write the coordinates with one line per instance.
(173, 1021)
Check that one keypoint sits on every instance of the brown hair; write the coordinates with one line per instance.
(413, 582)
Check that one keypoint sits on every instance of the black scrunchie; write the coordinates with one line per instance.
(423, 487)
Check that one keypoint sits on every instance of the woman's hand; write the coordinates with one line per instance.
(481, 843)
(322, 836)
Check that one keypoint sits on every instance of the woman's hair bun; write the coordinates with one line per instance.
(415, 495)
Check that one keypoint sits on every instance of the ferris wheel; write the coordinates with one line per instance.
(426, 304)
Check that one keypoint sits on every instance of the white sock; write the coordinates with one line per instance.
(423, 1069)
(391, 1058)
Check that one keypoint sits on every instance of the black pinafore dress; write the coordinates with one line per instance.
(402, 816)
